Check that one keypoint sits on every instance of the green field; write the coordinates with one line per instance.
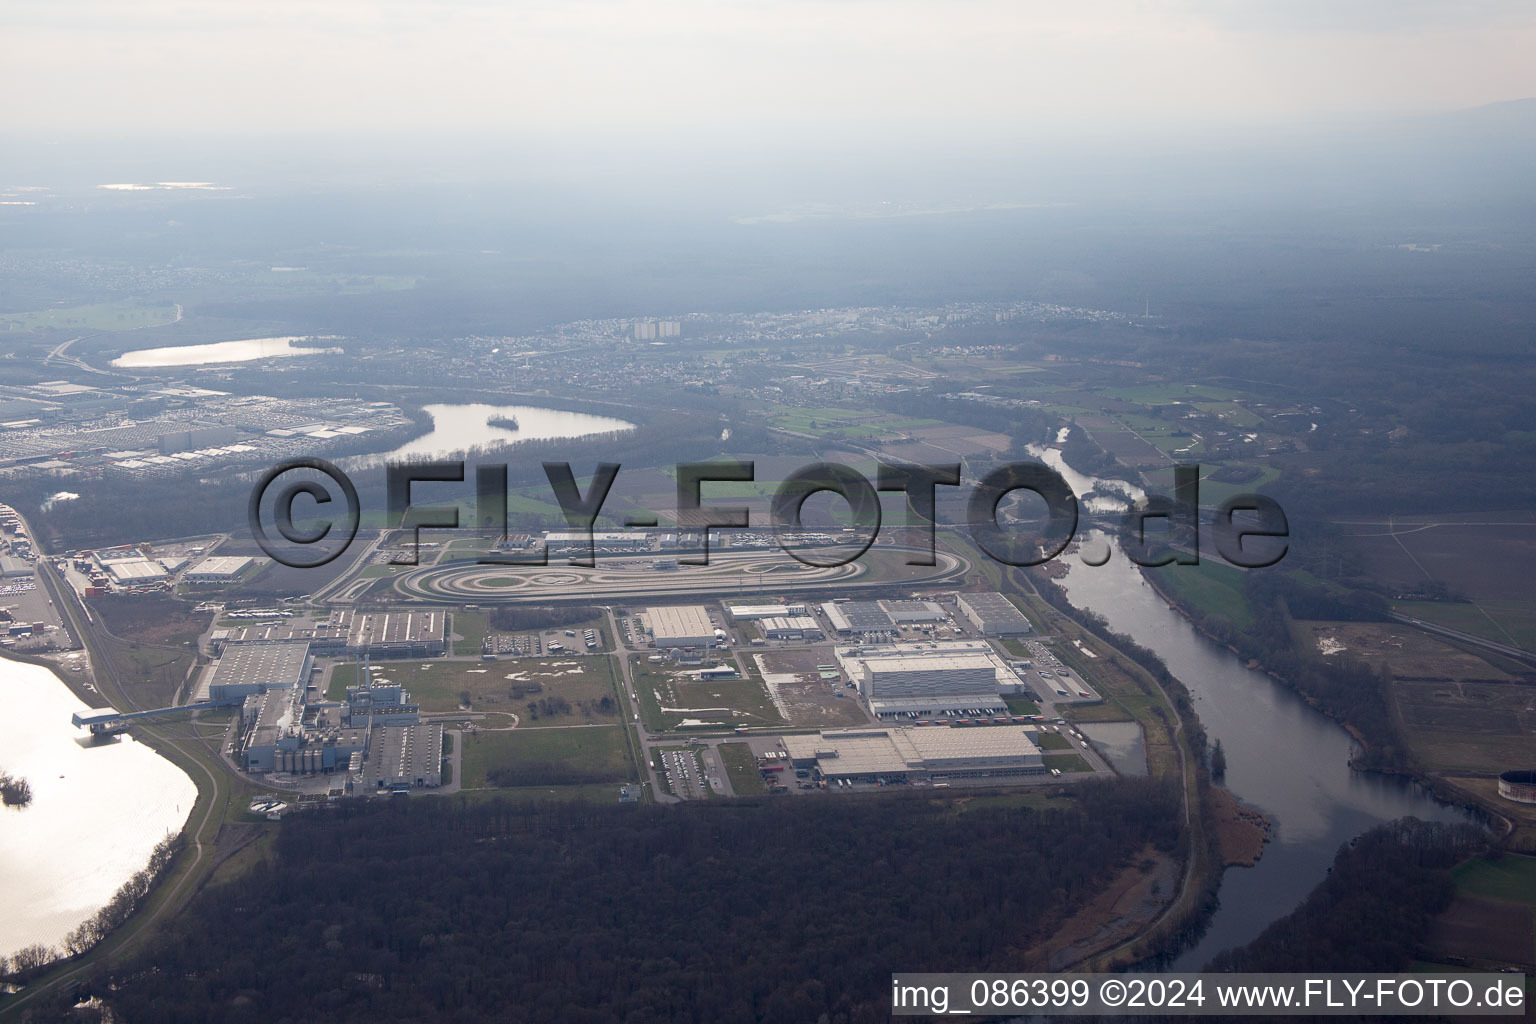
(1048, 741)
(1511, 878)
(107, 316)
(581, 682)
(1067, 763)
(547, 757)
(668, 698)
(1500, 621)
(1211, 587)
(471, 626)
(741, 769)
(1022, 705)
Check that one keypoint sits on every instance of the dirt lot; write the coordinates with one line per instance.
(1409, 653)
(795, 683)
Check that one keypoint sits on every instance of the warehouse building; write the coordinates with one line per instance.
(791, 627)
(680, 626)
(749, 612)
(566, 542)
(14, 568)
(132, 572)
(394, 634)
(404, 759)
(850, 617)
(956, 679)
(391, 634)
(244, 669)
(993, 614)
(910, 613)
(868, 755)
(380, 706)
(226, 569)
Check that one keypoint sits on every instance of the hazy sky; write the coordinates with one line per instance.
(681, 70)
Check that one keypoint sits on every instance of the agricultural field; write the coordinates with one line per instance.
(108, 316)
(1457, 713)
(1492, 921)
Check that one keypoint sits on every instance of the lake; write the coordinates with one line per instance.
(97, 810)
(219, 352)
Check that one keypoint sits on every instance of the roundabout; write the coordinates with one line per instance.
(755, 573)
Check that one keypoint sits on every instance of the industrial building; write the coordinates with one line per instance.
(913, 754)
(275, 723)
(390, 634)
(224, 569)
(404, 758)
(245, 669)
(907, 613)
(749, 612)
(791, 627)
(394, 634)
(134, 571)
(952, 679)
(850, 617)
(993, 614)
(384, 706)
(680, 626)
(14, 568)
(564, 542)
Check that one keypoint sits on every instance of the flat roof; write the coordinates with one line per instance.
(221, 565)
(135, 569)
(995, 612)
(281, 664)
(369, 629)
(688, 620)
(876, 751)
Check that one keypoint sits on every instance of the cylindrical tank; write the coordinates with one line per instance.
(1518, 785)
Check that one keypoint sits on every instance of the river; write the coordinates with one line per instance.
(97, 810)
(1283, 757)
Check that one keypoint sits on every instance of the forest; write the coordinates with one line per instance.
(744, 911)
(1371, 911)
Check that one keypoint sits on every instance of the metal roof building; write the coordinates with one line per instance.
(993, 614)
(903, 612)
(857, 617)
(219, 569)
(408, 757)
(245, 669)
(765, 611)
(917, 753)
(680, 625)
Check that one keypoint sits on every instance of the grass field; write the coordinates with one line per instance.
(548, 757)
(668, 698)
(1049, 741)
(1212, 587)
(1511, 878)
(1505, 622)
(1022, 705)
(470, 625)
(741, 769)
(581, 681)
(107, 316)
(1067, 763)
